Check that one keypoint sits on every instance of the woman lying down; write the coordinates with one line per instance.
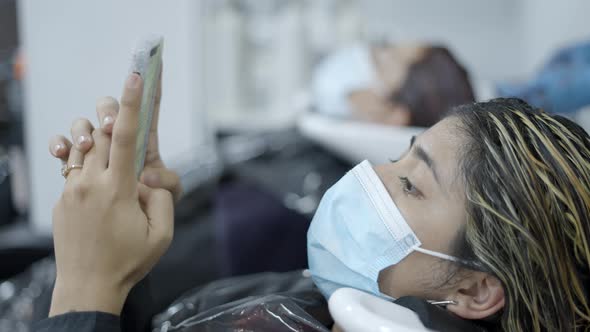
(487, 213)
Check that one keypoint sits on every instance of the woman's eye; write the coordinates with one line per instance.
(408, 187)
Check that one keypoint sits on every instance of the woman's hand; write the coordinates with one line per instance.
(155, 174)
(109, 230)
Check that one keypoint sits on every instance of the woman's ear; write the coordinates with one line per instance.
(478, 297)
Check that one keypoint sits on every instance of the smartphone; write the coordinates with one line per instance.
(147, 61)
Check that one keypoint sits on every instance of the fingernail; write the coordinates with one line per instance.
(107, 120)
(57, 148)
(133, 80)
(82, 139)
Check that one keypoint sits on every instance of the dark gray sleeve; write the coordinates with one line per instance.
(79, 322)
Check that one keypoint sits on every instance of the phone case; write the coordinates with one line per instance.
(147, 61)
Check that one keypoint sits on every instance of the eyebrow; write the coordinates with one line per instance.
(421, 154)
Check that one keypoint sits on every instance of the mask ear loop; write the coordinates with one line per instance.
(437, 254)
(471, 265)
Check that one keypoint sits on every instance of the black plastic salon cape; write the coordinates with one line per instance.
(277, 302)
(261, 302)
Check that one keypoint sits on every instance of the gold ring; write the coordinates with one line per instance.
(66, 169)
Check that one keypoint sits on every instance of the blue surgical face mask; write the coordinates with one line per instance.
(356, 232)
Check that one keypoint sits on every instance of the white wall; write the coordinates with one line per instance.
(550, 24)
(77, 51)
(485, 35)
(497, 40)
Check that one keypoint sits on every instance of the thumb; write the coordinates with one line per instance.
(159, 209)
(162, 178)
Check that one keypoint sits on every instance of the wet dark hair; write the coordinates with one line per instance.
(434, 84)
(527, 182)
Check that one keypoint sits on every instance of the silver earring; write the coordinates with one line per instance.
(443, 303)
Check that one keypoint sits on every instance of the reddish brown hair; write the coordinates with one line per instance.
(434, 84)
